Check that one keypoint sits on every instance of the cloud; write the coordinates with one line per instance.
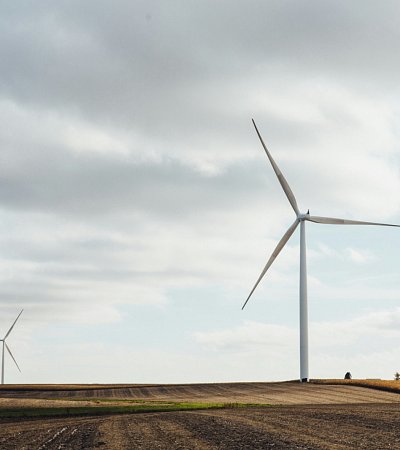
(131, 177)
(355, 255)
(250, 334)
(363, 344)
(359, 256)
(247, 336)
(379, 325)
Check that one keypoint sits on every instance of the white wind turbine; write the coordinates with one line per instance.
(301, 219)
(5, 346)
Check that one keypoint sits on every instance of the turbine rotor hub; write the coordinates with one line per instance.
(303, 217)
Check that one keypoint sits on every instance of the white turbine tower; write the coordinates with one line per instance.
(301, 219)
(5, 346)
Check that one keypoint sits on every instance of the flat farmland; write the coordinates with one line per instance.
(284, 393)
(199, 416)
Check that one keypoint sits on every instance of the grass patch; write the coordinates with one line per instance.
(136, 408)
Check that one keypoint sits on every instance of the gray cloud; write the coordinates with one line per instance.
(88, 186)
(129, 170)
(138, 64)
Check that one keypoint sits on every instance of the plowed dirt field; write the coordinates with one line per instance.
(301, 417)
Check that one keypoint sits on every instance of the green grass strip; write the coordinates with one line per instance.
(128, 409)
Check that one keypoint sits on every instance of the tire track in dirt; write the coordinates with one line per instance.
(288, 430)
(147, 432)
(369, 427)
(337, 427)
(53, 434)
(227, 433)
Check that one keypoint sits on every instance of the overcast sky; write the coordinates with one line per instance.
(138, 207)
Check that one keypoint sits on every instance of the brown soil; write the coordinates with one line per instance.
(288, 393)
(289, 427)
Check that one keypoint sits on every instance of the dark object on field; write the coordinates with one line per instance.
(397, 376)
(347, 376)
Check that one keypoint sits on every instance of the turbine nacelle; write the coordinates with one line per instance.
(302, 217)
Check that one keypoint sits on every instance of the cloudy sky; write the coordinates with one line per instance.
(138, 207)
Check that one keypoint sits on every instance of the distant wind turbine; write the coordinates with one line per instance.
(300, 219)
(5, 346)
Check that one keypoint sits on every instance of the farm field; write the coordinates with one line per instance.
(384, 385)
(199, 416)
(280, 393)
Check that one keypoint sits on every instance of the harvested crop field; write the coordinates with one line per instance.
(286, 393)
(247, 416)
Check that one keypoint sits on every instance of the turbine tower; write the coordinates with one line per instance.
(301, 219)
(5, 346)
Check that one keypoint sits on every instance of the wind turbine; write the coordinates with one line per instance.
(301, 219)
(5, 346)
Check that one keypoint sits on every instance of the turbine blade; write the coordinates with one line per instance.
(12, 326)
(334, 221)
(275, 253)
(279, 174)
(9, 351)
